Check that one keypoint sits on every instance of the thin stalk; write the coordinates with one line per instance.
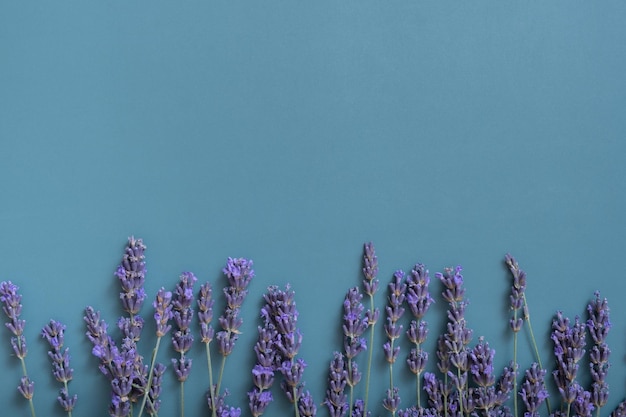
(534, 342)
(182, 398)
(30, 400)
(351, 386)
(418, 379)
(150, 375)
(369, 359)
(219, 379)
(211, 393)
(69, 413)
(295, 401)
(515, 364)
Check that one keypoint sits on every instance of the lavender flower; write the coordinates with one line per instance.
(12, 307)
(205, 312)
(280, 313)
(453, 349)
(533, 391)
(370, 285)
(239, 273)
(53, 333)
(354, 325)
(153, 403)
(488, 397)
(393, 330)
(131, 274)
(599, 325)
(182, 338)
(569, 343)
(419, 300)
(517, 293)
(336, 399)
(263, 372)
(162, 315)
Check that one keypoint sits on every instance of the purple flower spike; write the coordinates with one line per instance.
(533, 391)
(53, 333)
(336, 399)
(417, 296)
(131, 273)
(599, 325)
(258, 401)
(182, 338)
(26, 388)
(163, 312)
(392, 400)
(306, 405)
(205, 312)
(370, 269)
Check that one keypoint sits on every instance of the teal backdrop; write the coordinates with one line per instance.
(291, 133)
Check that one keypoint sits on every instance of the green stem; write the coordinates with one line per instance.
(515, 364)
(30, 400)
(369, 360)
(219, 379)
(211, 393)
(534, 342)
(460, 389)
(69, 412)
(295, 401)
(351, 386)
(150, 375)
(182, 398)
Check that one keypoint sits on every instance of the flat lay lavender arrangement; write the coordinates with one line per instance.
(458, 379)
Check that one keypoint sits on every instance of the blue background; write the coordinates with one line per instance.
(291, 133)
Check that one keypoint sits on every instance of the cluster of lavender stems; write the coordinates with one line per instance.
(280, 321)
(12, 306)
(521, 315)
(239, 273)
(468, 387)
(53, 332)
(182, 338)
(123, 365)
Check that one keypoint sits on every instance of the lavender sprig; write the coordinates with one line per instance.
(599, 325)
(453, 345)
(132, 275)
(393, 330)
(239, 273)
(280, 313)
(336, 399)
(354, 325)
(533, 391)
(569, 349)
(263, 372)
(12, 307)
(419, 300)
(182, 338)
(53, 332)
(370, 285)
(162, 316)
